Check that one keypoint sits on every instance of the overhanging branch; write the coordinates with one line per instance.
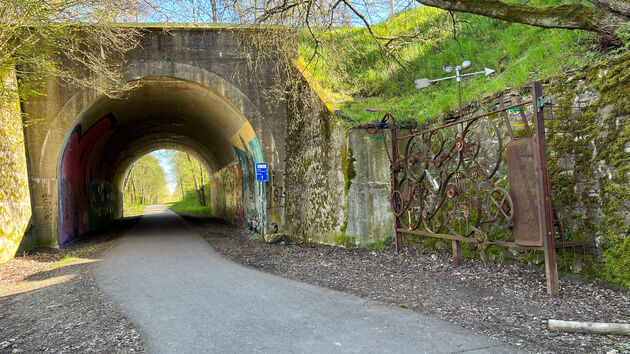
(569, 16)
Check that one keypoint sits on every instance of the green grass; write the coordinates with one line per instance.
(70, 258)
(380, 245)
(355, 67)
(134, 209)
(190, 207)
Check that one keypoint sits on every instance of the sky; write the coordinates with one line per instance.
(174, 11)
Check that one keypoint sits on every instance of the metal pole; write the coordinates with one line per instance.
(395, 164)
(543, 192)
(457, 250)
(461, 108)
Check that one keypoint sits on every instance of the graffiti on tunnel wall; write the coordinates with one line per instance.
(75, 196)
(225, 192)
(102, 202)
(249, 153)
(236, 195)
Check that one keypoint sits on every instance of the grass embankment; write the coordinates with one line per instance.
(356, 69)
(190, 207)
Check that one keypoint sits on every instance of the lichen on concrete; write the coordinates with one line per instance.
(337, 181)
(314, 178)
(15, 203)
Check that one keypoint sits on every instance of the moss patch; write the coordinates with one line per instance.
(612, 80)
(344, 240)
(347, 166)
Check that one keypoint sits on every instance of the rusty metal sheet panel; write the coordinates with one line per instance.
(522, 182)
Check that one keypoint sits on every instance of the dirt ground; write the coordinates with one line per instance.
(505, 301)
(49, 302)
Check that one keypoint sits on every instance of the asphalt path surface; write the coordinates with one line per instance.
(185, 298)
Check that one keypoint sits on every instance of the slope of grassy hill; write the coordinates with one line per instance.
(354, 67)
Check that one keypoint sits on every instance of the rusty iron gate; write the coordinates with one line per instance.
(486, 180)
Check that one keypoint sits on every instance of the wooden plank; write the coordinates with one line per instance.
(430, 234)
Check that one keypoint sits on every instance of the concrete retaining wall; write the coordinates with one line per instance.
(15, 200)
(337, 182)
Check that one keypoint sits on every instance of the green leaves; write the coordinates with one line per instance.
(146, 182)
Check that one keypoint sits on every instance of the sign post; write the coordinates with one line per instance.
(425, 82)
(262, 171)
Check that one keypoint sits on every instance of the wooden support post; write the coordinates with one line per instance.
(543, 192)
(457, 254)
(398, 239)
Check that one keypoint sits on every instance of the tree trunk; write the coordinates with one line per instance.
(604, 18)
(202, 187)
(181, 186)
(200, 196)
(133, 191)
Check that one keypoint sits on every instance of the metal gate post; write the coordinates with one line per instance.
(543, 191)
(395, 165)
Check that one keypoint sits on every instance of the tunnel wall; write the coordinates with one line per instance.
(225, 192)
(15, 200)
(89, 198)
(236, 195)
(248, 151)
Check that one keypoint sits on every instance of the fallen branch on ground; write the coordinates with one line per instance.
(589, 327)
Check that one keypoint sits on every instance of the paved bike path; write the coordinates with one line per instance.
(186, 298)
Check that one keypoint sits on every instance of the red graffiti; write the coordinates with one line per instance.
(73, 218)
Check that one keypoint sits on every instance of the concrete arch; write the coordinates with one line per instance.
(209, 58)
(164, 111)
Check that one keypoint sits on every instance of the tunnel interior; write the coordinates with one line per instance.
(109, 135)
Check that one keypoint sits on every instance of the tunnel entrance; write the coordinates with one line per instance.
(170, 177)
(109, 135)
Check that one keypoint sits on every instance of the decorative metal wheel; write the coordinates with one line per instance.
(462, 207)
(416, 154)
(432, 198)
(481, 154)
(402, 196)
(500, 208)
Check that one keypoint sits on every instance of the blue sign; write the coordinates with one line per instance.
(262, 171)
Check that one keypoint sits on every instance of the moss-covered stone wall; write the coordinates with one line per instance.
(337, 182)
(15, 202)
(315, 209)
(368, 186)
(606, 88)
